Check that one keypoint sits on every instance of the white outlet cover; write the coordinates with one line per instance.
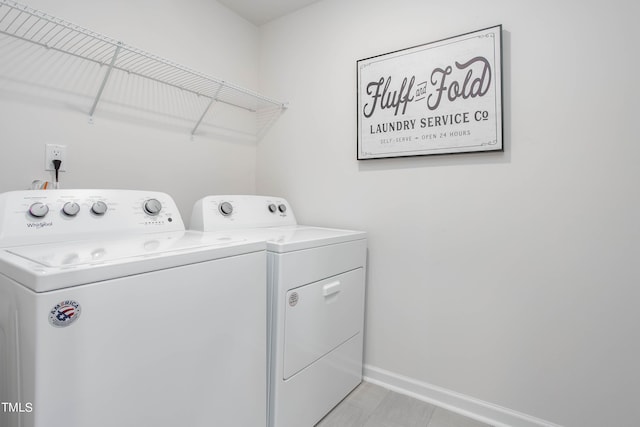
(55, 151)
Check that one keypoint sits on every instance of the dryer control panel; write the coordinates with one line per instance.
(44, 216)
(214, 213)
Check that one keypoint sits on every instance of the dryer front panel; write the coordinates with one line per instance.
(321, 316)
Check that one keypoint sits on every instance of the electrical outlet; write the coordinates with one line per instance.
(53, 152)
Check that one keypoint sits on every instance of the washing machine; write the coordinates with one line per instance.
(111, 314)
(316, 290)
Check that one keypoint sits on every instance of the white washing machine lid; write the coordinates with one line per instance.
(299, 237)
(61, 265)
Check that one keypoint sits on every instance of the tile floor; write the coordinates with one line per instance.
(372, 406)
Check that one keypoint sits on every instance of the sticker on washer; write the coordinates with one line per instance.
(64, 313)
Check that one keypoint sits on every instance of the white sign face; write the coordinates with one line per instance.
(441, 97)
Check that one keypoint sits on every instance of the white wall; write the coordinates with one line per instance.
(508, 277)
(125, 149)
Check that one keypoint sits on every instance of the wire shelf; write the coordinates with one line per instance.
(39, 28)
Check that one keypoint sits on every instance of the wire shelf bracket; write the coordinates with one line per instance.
(104, 82)
(204, 113)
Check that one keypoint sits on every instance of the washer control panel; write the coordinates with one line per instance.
(43, 216)
(214, 213)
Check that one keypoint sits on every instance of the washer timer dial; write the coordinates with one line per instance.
(152, 207)
(38, 210)
(71, 209)
(225, 208)
(99, 208)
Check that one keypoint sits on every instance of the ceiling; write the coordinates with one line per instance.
(262, 11)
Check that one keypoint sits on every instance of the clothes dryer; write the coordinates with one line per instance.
(111, 314)
(316, 290)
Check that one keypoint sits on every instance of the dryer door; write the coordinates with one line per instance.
(320, 317)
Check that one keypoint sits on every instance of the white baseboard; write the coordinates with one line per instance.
(482, 411)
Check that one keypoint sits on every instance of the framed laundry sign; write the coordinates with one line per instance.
(436, 98)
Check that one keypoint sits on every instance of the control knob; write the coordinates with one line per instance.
(272, 208)
(282, 208)
(71, 209)
(152, 207)
(225, 208)
(38, 210)
(99, 208)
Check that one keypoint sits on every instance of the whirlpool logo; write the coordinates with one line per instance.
(39, 225)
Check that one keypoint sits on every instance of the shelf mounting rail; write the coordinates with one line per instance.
(30, 25)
